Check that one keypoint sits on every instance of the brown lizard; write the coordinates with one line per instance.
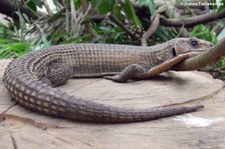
(30, 79)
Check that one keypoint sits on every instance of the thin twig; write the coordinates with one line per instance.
(73, 19)
(191, 21)
(13, 142)
(45, 3)
(180, 31)
(84, 7)
(154, 26)
(131, 34)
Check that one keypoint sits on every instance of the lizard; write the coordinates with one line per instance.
(31, 78)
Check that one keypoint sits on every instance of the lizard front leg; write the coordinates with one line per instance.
(144, 70)
(57, 74)
(131, 71)
(168, 64)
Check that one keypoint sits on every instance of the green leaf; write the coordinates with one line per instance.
(151, 5)
(77, 4)
(55, 2)
(131, 14)
(96, 3)
(5, 32)
(106, 6)
(129, 10)
(142, 2)
(137, 21)
(220, 6)
(117, 11)
(38, 3)
(22, 24)
(214, 6)
(45, 40)
(77, 39)
(58, 35)
(12, 48)
(202, 32)
(31, 5)
(165, 34)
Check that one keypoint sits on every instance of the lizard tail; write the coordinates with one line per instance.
(108, 114)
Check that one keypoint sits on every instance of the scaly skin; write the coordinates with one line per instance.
(29, 77)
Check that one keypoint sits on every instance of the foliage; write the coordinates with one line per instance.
(33, 4)
(222, 62)
(202, 32)
(164, 34)
(220, 5)
(110, 33)
(10, 45)
(117, 8)
(12, 48)
(14, 40)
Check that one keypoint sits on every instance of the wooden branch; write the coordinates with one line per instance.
(171, 11)
(195, 11)
(84, 7)
(154, 26)
(201, 60)
(151, 30)
(45, 3)
(187, 22)
(218, 28)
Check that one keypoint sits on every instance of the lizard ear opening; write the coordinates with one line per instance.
(174, 52)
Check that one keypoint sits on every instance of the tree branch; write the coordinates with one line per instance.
(201, 60)
(84, 7)
(151, 30)
(47, 7)
(187, 22)
(218, 28)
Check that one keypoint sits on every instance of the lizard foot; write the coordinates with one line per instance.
(57, 74)
(132, 71)
(116, 78)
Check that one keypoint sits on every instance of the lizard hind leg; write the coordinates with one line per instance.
(57, 74)
(137, 71)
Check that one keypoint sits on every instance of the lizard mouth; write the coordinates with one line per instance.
(201, 50)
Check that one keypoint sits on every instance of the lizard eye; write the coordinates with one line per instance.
(194, 43)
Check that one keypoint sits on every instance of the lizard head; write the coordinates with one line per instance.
(185, 45)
